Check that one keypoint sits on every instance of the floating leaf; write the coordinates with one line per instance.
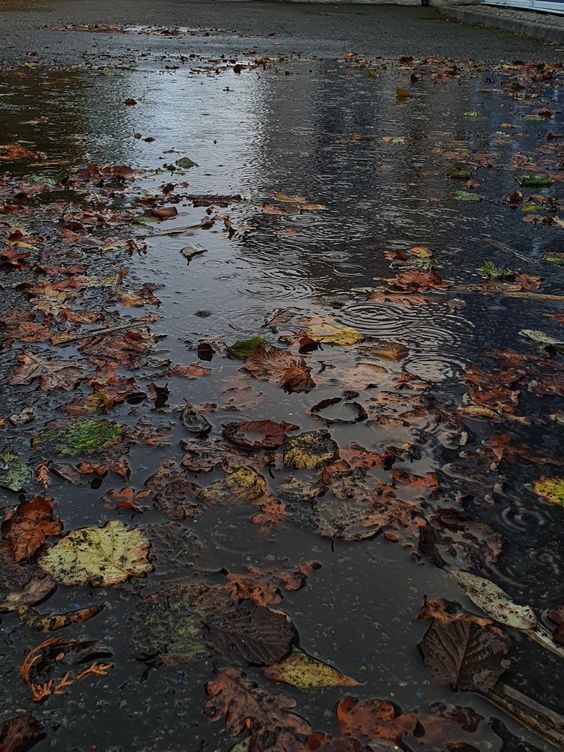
(465, 654)
(495, 602)
(14, 473)
(270, 719)
(421, 251)
(492, 271)
(310, 450)
(20, 734)
(459, 172)
(387, 350)
(466, 196)
(21, 584)
(27, 527)
(185, 163)
(194, 421)
(374, 719)
(51, 622)
(80, 437)
(98, 556)
(257, 434)
(245, 347)
(305, 672)
(531, 180)
(551, 489)
(241, 483)
(191, 251)
(247, 634)
(329, 333)
(49, 372)
(280, 367)
(543, 339)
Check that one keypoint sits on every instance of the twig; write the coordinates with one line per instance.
(64, 339)
(172, 231)
(505, 248)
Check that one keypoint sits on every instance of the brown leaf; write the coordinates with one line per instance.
(454, 539)
(465, 654)
(257, 434)
(374, 719)
(415, 282)
(191, 371)
(269, 718)
(247, 634)
(556, 615)
(20, 734)
(163, 212)
(27, 526)
(51, 373)
(280, 367)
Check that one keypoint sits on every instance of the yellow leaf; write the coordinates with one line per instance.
(329, 333)
(310, 450)
(98, 556)
(551, 489)
(478, 411)
(421, 251)
(302, 671)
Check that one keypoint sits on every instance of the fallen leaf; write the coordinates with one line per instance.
(98, 557)
(79, 437)
(270, 719)
(15, 475)
(374, 719)
(194, 420)
(257, 434)
(305, 672)
(551, 489)
(52, 622)
(310, 450)
(495, 602)
(280, 367)
(28, 526)
(243, 348)
(20, 734)
(50, 373)
(330, 333)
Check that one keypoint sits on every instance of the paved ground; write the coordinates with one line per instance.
(326, 30)
(546, 26)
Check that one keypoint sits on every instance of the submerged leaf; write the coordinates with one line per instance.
(245, 347)
(14, 473)
(310, 450)
(305, 672)
(257, 434)
(98, 557)
(80, 437)
(531, 180)
(280, 367)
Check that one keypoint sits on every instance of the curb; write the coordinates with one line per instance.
(530, 28)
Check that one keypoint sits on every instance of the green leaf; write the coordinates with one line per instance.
(98, 556)
(305, 672)
(471, 114)
(492, 271)
(80, 437)
(555, 257)
(14, 473)
(543, 339)
(245, 347)
(466, 196)
(459, 172)
(185, 163)
(531, 180)
(495, 602)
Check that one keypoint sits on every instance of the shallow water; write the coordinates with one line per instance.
(313, 129)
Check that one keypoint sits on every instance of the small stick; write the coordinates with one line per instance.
(64, 339)
(172, 231)
(504, 247)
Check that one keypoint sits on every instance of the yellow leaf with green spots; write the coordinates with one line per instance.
(310, 450)
(98, 556)
(551, 489)
(302, 671)
(242, 484)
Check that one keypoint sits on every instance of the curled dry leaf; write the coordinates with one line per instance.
(27, 526)
(52, 622)
(280, 367)
(56, 664)
(98, 557)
